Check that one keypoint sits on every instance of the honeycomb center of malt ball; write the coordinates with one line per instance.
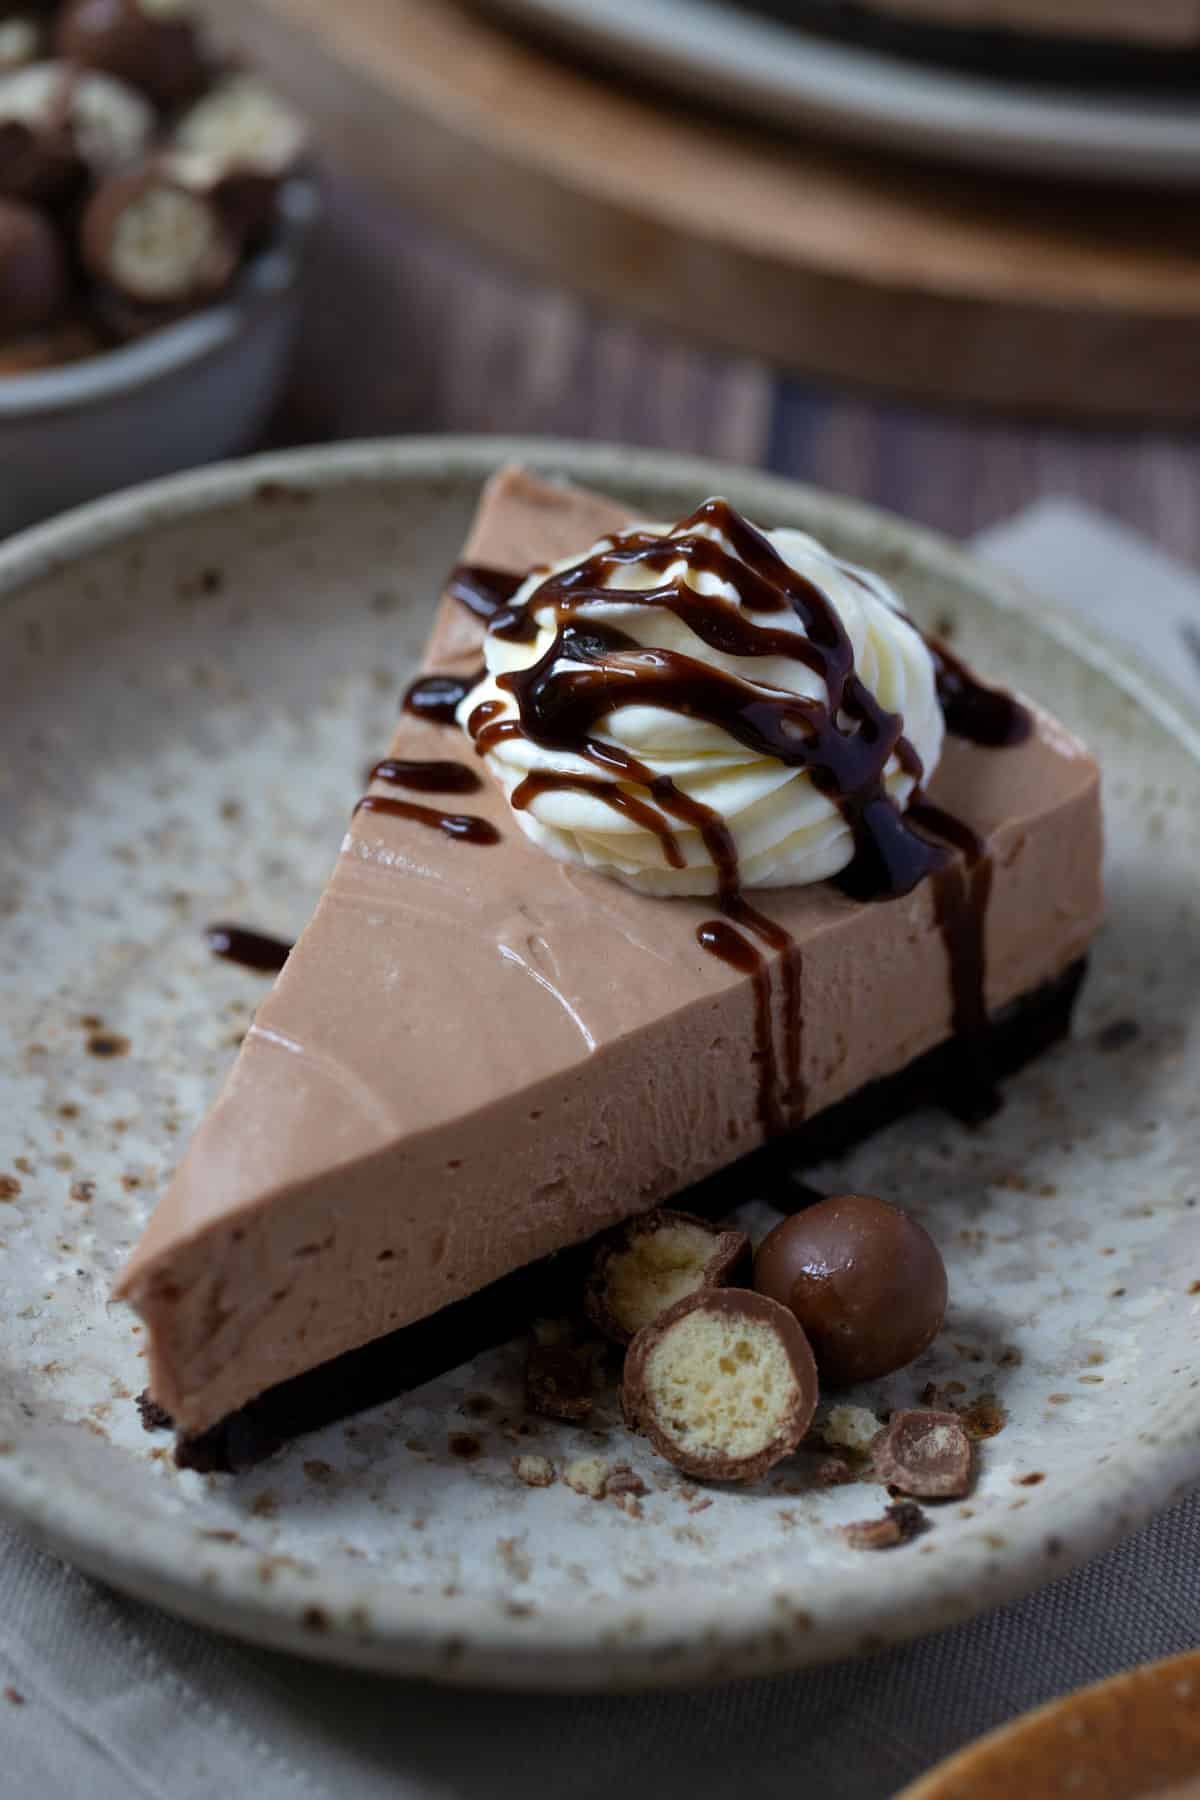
(162, 243)
(243, 122)
(659, 1268)
(721, 1385)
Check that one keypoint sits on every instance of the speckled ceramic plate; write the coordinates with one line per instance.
(1136, 1737)
(192, 679)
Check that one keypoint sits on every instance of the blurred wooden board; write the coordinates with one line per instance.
(939, 285)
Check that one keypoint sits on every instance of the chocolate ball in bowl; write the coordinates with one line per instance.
(152, 45)
(33, 271)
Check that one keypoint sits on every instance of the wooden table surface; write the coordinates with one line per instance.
(407, 331)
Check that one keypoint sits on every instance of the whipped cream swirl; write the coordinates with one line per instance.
(785, 830)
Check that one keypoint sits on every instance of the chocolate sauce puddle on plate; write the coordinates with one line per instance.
(253, 949)
(845, 743)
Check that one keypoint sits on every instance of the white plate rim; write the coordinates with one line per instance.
(704, 1635)
(787, 76)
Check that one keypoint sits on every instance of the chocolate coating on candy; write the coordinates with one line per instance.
(925, 1454)
(866, 1282)
(155, 48)
(33, 271)
(103, 123)
(155, 243)
(723, 1384)
(246, 199)
(650, 1263)
(40, 166)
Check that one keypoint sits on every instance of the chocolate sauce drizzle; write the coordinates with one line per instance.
(983, 715)
(437, 698)
(430, 777)
(484, 592)
(253, 949)
(427, 777)
(844, 742)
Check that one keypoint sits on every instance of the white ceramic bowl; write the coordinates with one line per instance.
(191, 393)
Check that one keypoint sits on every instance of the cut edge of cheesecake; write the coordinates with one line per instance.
(476, 1057)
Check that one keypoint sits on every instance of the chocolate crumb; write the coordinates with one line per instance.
(1033, 1479)
(1118, 1035)
(319, 1471)
(515, 1559)
(10, 1187)
(558, 1382)
(534, 1471)
(927, 1454)
(478, 1406)
(984, 1418)
(464, 1445)
(315, 1618)
(83, 1191)
(266, 1504)
(899, 1524)
(154, 1416)
(833, 1471)
(108, 1043)
(624, 1480)
(587, 1475)
(13, 1697)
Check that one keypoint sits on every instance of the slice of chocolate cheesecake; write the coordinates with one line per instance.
(480, 1053)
